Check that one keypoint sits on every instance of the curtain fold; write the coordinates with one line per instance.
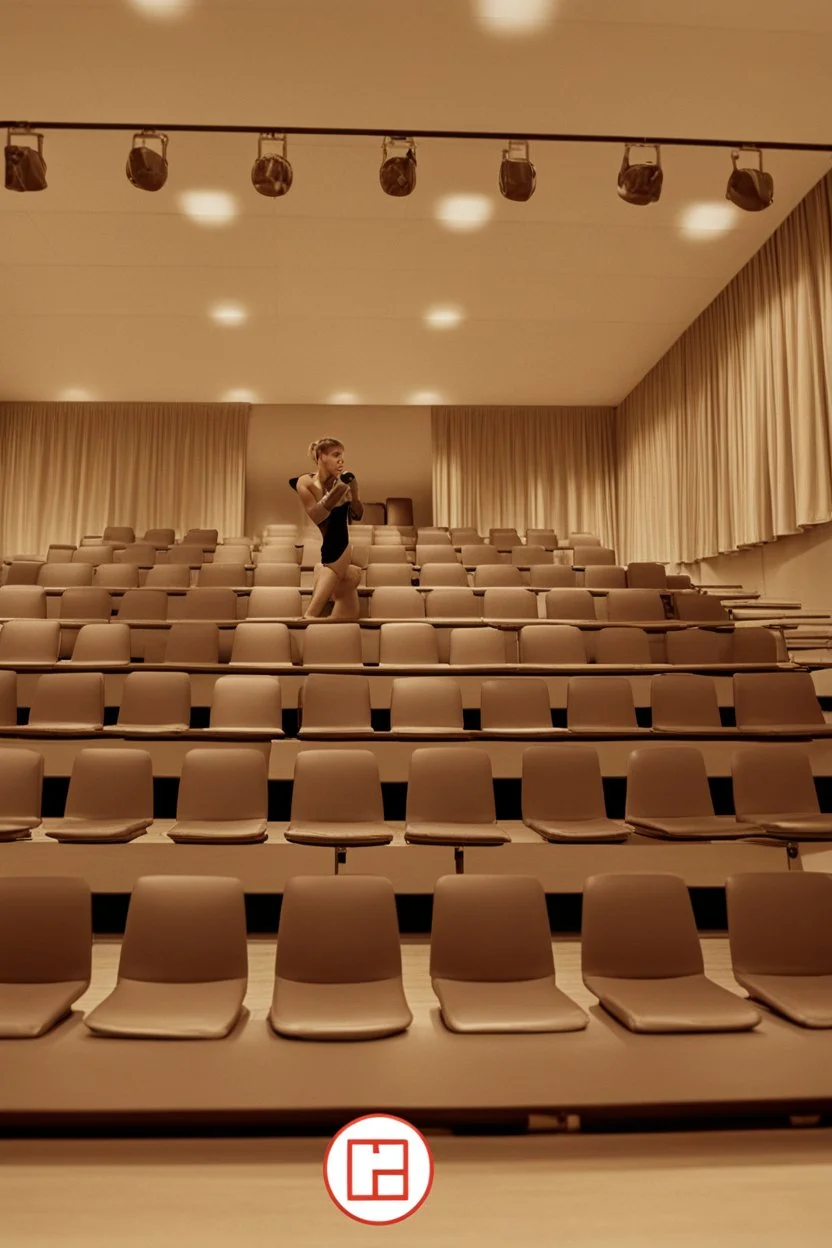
(727, 442)
(72, 468)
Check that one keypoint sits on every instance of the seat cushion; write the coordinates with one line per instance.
(139, 1008)
(145, 730)
(578, 830)
(360, 1011)
(797, 827)
(12, 829)
(696, 828)
(218, 831)
(805, 999)
(29, 1010)
(684, 1003)
(509, 1006)
(455, 834)
(90, 831)
(314, 832)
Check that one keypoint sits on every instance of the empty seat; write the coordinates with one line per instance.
(45, 951)
(601, 704)
(206, 538)
(453, 604)
(433, 552)
(668, 797)
(223, 796)
(542, 646)
(399, 511)
(477, 647)
(281, 552)
(22, 602)
(384, 574)
(426, 706)
(605, 576)
(628, 647)
(221, 575)
(67, 703)
(408, 645)
(385, 537)
(89, 602)
(473, 556)
(442, 574)
(509, 604)
(60, 552)
(102, 645)
(274, 602)
(491, 962)
(143, 604)
(246, 706)
(582, 539)
(21, 789)
(183, 969)
(260, 643)
(119, 533)
(168, 576)
(686, 704)
(751, 645)
(387, 554)
(679, 581)
(336, 800)
(23, 572)
(646, 576)
(29, 643)
(154, 704)
(781, 941)
(774, 787)
(503, 539)
(235, 553)
(515, 706)
(692, 647)
(335, 706)
(530, 556)
(586, 556)
(432, 535)
(640, 955)
(465, 537)
(332, 645)
(61, 575)
(8, 698)
(450, 798)
(499, 575)
(547, 538)
(139, 554)
(338, 970)
(699, 607)
(94, 555)
(397, 602)
(209, 604)
(160, 538)
(116, 575)
(192, 642)
(110, 797)
(286, 575)
(551, 576)
(635, 604)
(563, 795)
(774, 703)
(191, 556)
(570, 604)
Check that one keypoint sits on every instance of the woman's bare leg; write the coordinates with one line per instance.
(326, 579)
(345, 596)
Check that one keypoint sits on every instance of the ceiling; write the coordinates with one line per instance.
(106, 291)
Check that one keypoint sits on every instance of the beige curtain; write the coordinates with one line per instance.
(542, 467)
(728, 440)
(67, 469)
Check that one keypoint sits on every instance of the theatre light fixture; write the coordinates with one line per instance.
(517, 173)
(271, 173)
(146, 168)
(397, 174)
(641, 183)
(749, 188)
(25, 166)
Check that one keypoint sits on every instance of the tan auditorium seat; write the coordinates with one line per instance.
(491, 962)
(45, 951)
(547, 538)
(223, 797)
(191, 555)
(465, 537)
(692, 647)
(530, 556)
(338, 969)
(450, 799)
(335, 706)
(206, 538)
(774, 787)
(646, 576)
(66, 704)
(586, 556)
(160, 538)
(21, 791)
(777, 703)
(153, 704)
(426, 706)
(110, 797)
(635, 604)
(570, 604)
(754, 645)
(503, 539)
(245, 708)
(281, 575)
(277, 553)
(602, 705)
(222, 575)
(216, 603)
(86, 602)
(274, 602)
(191, 642)
(605, 576)
(551, 576)
(562, 795)
(429, 553)
(406, 644)
(116, 576)
(22, 602)
(780, 934)
(183, 969)
(397, 602)
(516, 706)
(257, 643)
(509, 604)
(497, 575)
(443, 575)
(474, 556)
(453, 604)
(689, 605)
(641, 957)
(387, 554)
(477, 647)
(168, 576)
(102, 645)
(556, 645)
(389, 574)
(332, 645)
(93, 555)
(8, 699)
(686, 705)
(624, 647)
(65, 575)
(668, 797)
(29, 643)
(337, 801)
(143, 604)
(119, 533)
(138, 554)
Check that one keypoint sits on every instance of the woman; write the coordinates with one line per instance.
(330, 498)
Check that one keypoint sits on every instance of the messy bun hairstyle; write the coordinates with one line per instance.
(322, 446)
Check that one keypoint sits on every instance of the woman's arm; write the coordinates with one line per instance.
(319, 509)
(356, 505)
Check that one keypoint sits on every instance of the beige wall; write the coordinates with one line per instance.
(797, 567)
(388, 449)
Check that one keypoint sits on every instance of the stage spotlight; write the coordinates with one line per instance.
(146, 168)
(750, 189)
(642, 183)
(397, 174)
(25, 166)
(271, 173)
(517, 173)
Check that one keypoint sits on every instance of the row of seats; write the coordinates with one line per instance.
(183, 964)
(337, 797)
(339, 705)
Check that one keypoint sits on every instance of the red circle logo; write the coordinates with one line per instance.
(378, 1169)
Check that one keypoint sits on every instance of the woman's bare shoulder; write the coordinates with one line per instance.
(309, 481)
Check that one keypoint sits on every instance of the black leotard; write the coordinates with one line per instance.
(334, 530)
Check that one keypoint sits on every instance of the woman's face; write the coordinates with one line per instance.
(331, 463)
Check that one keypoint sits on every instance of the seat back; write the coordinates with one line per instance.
(770, 698)
(68, 698)
(778, 922)
(490, 928)
(387, 574)
(328, 700)
(260, 643)
(698, 645)
(45, 929)
(600, 702)
(435, 552)
(399, 511)
(689, 605)
(110, 784)
(340, 786)
(551, 576)
(339, 929)
(515, 702)
(21, 789)
(331, 645)
(102, 643)
(30, 641)
(8, 699)
(408, 644)
(646, 576)
(605, 576)
(425, 702)
(752, 645)
(624, 646)
(192, 641)
(156, 698)
(443, 574)
(93, 554)
(682, 700)
(22, 602)
(562, 782)
(185, 929)
(143, 604)
(274, 601)
(91, 602)
(119, 533)
(570, 604)
(666, 783)
(397, 602)
(450, 784)
(585, 556)
(474, 556)
(453, 604)
(209, 604)
(479, 647)
(497, 575)
(638, 927)
(773, 779)
(247, 702)
(59, 575)
(555, 643)
(168, 576)
(509, 604)
(286, 575)
(387, 554)
(224, 573)
(223, 784)
(116, 575)
(635, 604)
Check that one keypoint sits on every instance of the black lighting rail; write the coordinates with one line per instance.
(500, 136)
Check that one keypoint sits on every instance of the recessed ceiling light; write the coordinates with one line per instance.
(75, 395)
(208, 207)
(228, 314)
(443, 318)
(161, 8)
(464, 212)
(510, 17)
(343, 396)
(426, 398)
(708, 220)
(239, 396)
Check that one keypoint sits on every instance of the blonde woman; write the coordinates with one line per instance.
(330, 498)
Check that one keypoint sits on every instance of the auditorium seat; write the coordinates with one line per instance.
(66, 704)
(8, 698)
(23, 572)
(626, 647)
(258, 643)
(397, 602)
(753, 645)
(435, 552)
(60, 552)
(408, 645)
(399, 511)
(386, 574)
(45, 951)
(780, 937)
(332, 705)
(223, 797)
(29, 643)
(209, 604)
(562, 795)
(62, 575)
(432, 536)
(686, 705)
(777, 703)
(281, 552)
(337, 801)
(641, 957)
(551, 576)
(119, 534)
(94, 555)
(22, 602)
(206, 538)
(491, 962)
(509, 604)
(286, 575)
(275, 602)
(646, 576)
(143, 604)
(183, 970)
(442, 574)
(453, 604)
(110, 798)
(192, 642)
(140, 554)
(465, 537)
(387, 554)
(547, 538)
(679, 581)
(86, 602)
(338, 968)
(582, 539)
(235, 554)
(332, 645)
(477, 647)
(704, 608)
(21, 788)
(668, 797)
(426, 706)
(530, 556)
(168, 576)
(605, 576)
(153, 704)
(500, 575)
(450, 799)
(226, 575)
(635, 604)
(160, 538)
(515, 706)
(474, 555)
(692, 647)
(774, 786)
(102, 645)
(387, 537)
(503, 540)
(191, 556)
(601, 705)
(555, 644)
(245, 707)
(586, 556)
(570, 604)
(116, 576)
